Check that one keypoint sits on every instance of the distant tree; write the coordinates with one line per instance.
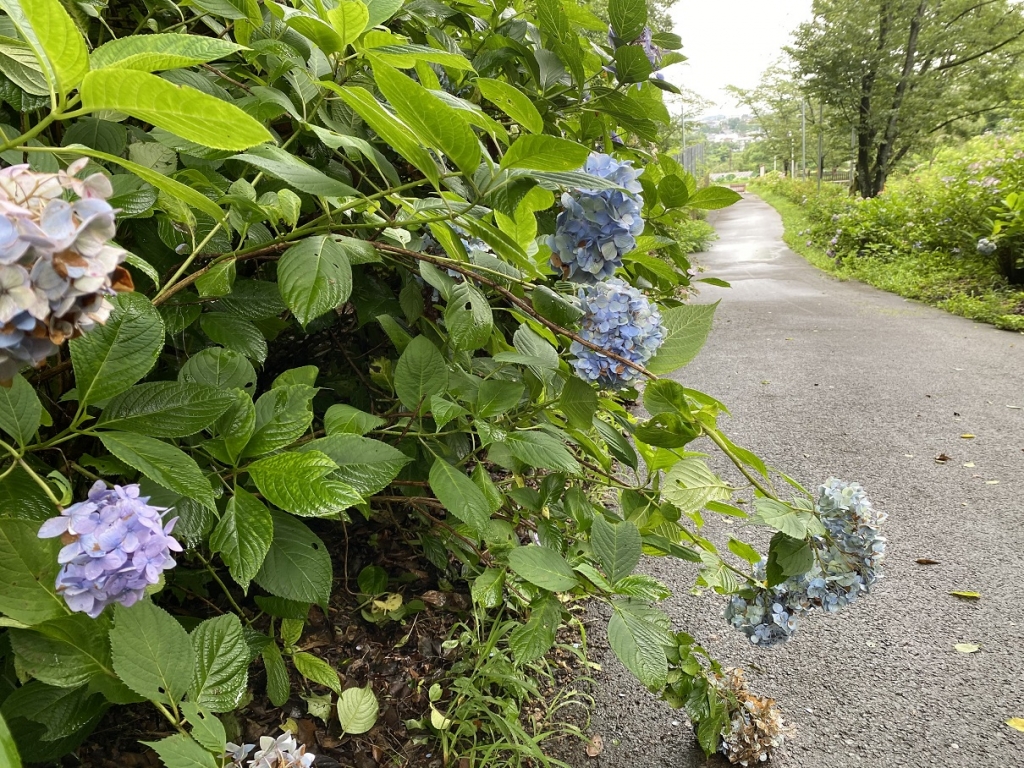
(905, 71)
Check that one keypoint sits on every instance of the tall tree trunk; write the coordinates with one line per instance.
(884, 160)
(865, 131)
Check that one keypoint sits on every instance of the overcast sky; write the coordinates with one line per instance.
(730, 42)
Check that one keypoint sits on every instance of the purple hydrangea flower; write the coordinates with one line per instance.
(596, 227)
(56, 261)
(115, 545)
(847, 564)
(619, 319)
(644, 40)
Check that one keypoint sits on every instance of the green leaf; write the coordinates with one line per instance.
(628, 18)
(578, 402)
(533, 639)
(667, 430)
(381, 10)
(642, 587)
(421, 372)
(357, 710)
(151, 652)
(555, 307)
(512, 102)
(112, 357)
(713, 198)
(795, 523)
(545, 153)
(618, 546)
(673, 192)
(317, 670)
(665, 396)
(243, 536)
(218, 281)
(218, 368)
(745, 551)
(391, 130)
(232, 9)
(632, 64)
(183, 111)
(787, 557)
(366, 465)
(67, 652)
(151, 53)
(20, 65)
(206, 728)
(181, 751)
(966, 595)
(349, 20)
(488, 587)
(542, 566)
(314, 277)
(539, 449)
(221, 664)
(28, 571)
(639, 636)
(235, 333)
(298, 483)
(433, 123)
(468, 318)
(344, 419)
(278, 686)
(162, 463)
(297, 566)
(8, 750)
(687, 329)
(282, 416)
(459, 495)
(690, 484)
(166, 184)
(281, 164)
(165, 409)
(20, 410)
(407, 56)
(497, 396)
(54, 37)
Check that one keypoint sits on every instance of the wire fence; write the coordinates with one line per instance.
(692, 160)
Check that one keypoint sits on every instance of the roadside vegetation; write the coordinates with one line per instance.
(946, 233)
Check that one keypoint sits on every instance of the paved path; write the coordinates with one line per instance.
(828, 378)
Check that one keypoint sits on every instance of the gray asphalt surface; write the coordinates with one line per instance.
(826, 378)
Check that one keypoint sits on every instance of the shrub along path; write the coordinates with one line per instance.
(829, 378)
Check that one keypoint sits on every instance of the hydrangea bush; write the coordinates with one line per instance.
(263, 271)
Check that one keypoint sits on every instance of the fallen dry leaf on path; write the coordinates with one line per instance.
(595, 746)
(926, 561)
(969, 464)
(1017, 723)
(942, 458)
(967, 436)
(966, 595)
(967, 647)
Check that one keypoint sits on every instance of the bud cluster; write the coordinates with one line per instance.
(56, 261)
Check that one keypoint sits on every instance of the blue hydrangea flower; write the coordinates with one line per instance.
(986, 247)
(847, 564)
(620, 319)
(645, 41)
(596, 227)
(57, 264)
(115, 545)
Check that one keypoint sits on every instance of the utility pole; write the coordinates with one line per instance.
(821, 140)
(803, 134)
(853, 155)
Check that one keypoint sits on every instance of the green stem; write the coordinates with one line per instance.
(223, 586)
(41, 483)
(31, 133)
(716, 438)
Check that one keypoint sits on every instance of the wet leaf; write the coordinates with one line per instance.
(595, 746)
(967, 647)
(926, 561)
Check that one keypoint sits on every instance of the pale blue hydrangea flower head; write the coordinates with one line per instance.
(986, 247)
(115, 545)
(847, 564)
(620, 319)
(596, 227)
(57, 264)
